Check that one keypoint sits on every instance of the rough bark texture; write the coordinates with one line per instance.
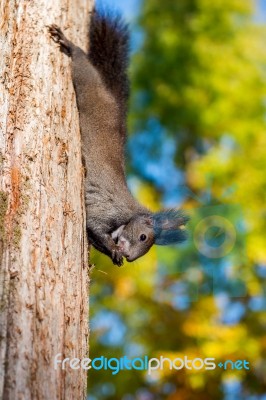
(43, 275)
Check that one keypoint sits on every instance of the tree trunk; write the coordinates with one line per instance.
(43, 251)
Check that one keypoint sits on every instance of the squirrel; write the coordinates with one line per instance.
(117, 225)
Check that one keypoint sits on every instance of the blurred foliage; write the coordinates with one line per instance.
(200, 78)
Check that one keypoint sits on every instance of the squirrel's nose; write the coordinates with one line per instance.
(123, 250)
(125, 254)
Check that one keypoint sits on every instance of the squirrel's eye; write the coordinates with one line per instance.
(142, 237)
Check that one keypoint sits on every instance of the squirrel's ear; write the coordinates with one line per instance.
(169, 227)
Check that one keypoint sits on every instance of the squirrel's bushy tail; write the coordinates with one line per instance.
(108, 52)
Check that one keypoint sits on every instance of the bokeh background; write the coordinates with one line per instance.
(197, 140)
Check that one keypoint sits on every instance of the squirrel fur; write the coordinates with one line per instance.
(117, 225)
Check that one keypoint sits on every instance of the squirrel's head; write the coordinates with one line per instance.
(162, 228)
(135, 238)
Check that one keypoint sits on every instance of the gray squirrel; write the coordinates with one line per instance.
(117, 225)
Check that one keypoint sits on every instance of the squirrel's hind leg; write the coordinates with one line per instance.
(58, 37)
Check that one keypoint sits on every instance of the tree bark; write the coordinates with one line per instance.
(43, 250)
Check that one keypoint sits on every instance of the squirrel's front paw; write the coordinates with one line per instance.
(117, 257)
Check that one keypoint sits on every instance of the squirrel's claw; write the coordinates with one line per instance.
(55, 32)
(58, 37)
(117, 257)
